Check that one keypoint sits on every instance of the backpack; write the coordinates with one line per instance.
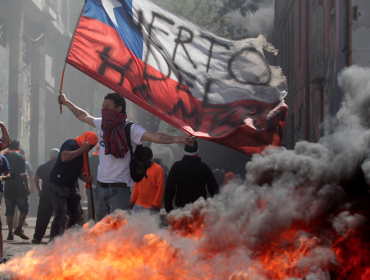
(137, 164)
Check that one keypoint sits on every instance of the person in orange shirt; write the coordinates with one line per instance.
(148, 193)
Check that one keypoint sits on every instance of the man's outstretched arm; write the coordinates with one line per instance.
(161, 138)
(80, 114)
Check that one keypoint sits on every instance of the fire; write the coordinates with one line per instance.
(118, 248)
(101, 252)
(211, 240)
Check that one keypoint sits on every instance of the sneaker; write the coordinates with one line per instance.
(35, 241)
(10, 236)
(20, 233)
(4, 261)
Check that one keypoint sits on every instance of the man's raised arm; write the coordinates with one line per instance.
(80, 114)
(5, 136)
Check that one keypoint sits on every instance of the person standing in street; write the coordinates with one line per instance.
(148, 193)
(45, 208)
(33, 198)
(70, 165)
(189, 179)
(16, 190)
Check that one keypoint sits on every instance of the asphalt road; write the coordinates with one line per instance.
(18, 245)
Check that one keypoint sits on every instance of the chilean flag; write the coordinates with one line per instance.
(210, 87)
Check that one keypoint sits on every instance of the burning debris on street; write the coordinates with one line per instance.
(301, 214)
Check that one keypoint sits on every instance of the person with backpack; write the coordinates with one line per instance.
(114, 174)
(148, 193)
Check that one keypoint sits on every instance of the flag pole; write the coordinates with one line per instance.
(69, 48)
(61, 85)
(91, 189)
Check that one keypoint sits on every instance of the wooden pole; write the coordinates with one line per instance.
(69, 48)
(91, 189)
(61, 84)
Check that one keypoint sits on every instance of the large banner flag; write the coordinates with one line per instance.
(214, 88)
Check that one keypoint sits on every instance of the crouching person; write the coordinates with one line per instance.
(71, 164)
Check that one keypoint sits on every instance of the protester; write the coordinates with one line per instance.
(4, 176)
(33, 198)
(5, 139)
(148, 193)
(45, 209)
(114, 180)
(70, 165)
(16, 190)
(189, 179)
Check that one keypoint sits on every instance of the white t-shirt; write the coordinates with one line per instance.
(112, 169)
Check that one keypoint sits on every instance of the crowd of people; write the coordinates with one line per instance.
(106, 171)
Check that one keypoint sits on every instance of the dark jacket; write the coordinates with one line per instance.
(188, 179)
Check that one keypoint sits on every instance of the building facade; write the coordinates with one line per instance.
(34, 40)
(317, 39)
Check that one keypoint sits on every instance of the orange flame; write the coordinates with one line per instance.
(116, 248)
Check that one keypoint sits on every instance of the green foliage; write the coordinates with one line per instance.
(213, 14)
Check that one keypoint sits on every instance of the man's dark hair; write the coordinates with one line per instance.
(147, 152)
(117, 99)
(14, 144)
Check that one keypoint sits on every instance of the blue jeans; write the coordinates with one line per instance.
(107, 200)
(65, 199)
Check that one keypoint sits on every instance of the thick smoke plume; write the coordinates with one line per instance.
(296, 216)
(261, 22)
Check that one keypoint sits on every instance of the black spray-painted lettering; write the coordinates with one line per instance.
(235, 58)
(224, 117)
(180, 106)
(180, 41)
(107, 62)
(213, 41)
(149, 43)
(207, 90)
(180, 85)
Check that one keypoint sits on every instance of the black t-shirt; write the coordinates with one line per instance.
(43, 172)
(66, 173)
(15, 187)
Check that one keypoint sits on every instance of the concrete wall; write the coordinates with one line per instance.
(34, 39)
(360, 32)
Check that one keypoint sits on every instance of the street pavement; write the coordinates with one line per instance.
(18, 245)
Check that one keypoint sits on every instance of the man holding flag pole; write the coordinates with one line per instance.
(114, 181)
